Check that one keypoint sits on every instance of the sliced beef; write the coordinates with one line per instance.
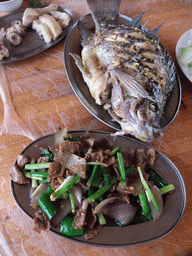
(91, 218)
(91, 233)
(99, 155)
(17, 175)
(80, 217)
(41, 221)
(56, 170)
(74, 147)
(22, 160)
(151, 156)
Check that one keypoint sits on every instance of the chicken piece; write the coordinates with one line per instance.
(53, 25)
(29, 16)
(47, 9)
(42, 30)
(62, 18)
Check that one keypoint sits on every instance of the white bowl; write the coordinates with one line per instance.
(10, 5)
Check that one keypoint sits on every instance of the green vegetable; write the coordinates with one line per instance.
(167, 189)
(47, 206)
(114, 151)
(34, 3)
(94, 179)
(186, 55)
(67, 229)
(37, 175)
(69, 182)
(146, 210)
(145, 185)
(50, 190)
(46, 152)
(101, 219)
(71, 197)
(158, 181)
(189, 64)
(37, 166)
(121, 166)
(106, 177)
(98, 193)
(72, 138)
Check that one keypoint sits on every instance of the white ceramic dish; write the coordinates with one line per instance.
(182, 42)
(10, 6)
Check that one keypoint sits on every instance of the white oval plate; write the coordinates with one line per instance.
(182, 42)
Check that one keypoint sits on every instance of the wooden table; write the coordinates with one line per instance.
(44, 101)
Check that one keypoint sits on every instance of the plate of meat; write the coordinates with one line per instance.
(30, 31)
(88, 186)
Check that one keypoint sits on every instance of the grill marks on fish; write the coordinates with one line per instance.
(126, 69)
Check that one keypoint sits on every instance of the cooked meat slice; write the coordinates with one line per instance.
(17, 176)
(91, 233)
(151, 156)
(55, 184)
(80, 217)
(140, 157)
(100, 155)
(22, 160)
(110, 161)
(56, 170)
(54, 149)
(129, 157)
(74, 147)
(41, 221)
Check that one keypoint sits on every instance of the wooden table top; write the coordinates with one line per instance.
(41, 101)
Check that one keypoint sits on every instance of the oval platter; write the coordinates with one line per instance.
(113, 236)
(31, 43)
(73, 45)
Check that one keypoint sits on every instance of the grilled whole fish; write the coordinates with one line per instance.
(126, 69)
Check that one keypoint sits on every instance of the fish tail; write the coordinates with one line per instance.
(104, 11)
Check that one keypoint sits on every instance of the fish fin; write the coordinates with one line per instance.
(79, 63)
(156, 29)
(131, 85)
(85, 33)
(136, 22)
(104, 11)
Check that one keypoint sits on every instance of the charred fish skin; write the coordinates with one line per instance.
(126, 69)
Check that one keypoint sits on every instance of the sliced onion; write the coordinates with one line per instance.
(121, 212)
(77, 193)
(102, 204)
(158, 197)
(58, 137)
(117, 208)
(36, 194)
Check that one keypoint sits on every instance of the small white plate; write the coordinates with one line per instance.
(183, 42)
